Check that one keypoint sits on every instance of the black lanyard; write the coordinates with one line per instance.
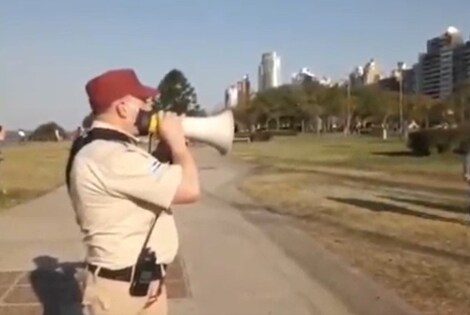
(88, 137)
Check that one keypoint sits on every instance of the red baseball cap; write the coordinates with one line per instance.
(104, 89)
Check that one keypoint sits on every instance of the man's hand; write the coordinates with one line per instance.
(171, 131)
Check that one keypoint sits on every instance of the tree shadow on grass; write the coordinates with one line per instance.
(431, 204)
(371, 236)
(397, 154)
(378, 206)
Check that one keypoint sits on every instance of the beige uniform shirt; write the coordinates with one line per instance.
(116, 189)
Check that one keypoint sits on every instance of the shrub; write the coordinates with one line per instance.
(285, 132)
(242, 134)
(424, 142)
(260, 136)
(46, 132)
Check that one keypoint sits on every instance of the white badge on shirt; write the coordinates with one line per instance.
(154, 166)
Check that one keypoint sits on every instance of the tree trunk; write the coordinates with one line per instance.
(462, 113)
(384, 128)
(347, 127)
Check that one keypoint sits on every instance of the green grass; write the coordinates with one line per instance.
(359, 152)
(31, 170)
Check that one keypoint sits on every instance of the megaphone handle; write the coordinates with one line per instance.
(155, 122)
(150, 143)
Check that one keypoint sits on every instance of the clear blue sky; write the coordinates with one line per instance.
(50, 48)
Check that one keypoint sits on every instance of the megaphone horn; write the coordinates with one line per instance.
(216, 131)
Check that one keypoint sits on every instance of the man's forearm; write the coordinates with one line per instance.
(190, 177)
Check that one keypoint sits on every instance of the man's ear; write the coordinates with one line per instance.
(121, 108)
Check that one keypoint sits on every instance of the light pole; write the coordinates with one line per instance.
(400, 92)
(348, 122)
(347, 127)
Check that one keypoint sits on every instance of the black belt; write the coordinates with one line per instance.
(124, 274)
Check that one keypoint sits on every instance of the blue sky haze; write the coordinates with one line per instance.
(50, 48)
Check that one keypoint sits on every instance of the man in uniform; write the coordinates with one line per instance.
(122, 197)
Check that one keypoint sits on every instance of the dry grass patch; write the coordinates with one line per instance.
(31, 170)
(422, 253)
(389, 214)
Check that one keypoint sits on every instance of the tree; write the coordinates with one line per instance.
(419, 108)
(48, 132)
(460, 101)
(312, 102)
(176, 93)
(307, 104)
(197, 111)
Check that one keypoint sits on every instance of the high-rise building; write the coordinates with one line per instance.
(244, 90)
(462, 63)
(269, 71)
(238, 93)
(417, 78)
(403, 76)
(371, 73)
(355, 77)
(305, 75)
(231, 96)
(302, 76)
(409, 81)
(437, 71)
(365, 75)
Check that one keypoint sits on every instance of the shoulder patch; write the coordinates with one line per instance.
(154, 166)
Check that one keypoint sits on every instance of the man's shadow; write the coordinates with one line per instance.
(56, 286)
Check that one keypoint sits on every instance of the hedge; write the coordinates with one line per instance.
(281, 132)
(260, 136)
(47, 132)
(426, 141)
(255, 136)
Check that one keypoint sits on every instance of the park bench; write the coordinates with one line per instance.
(242, 139)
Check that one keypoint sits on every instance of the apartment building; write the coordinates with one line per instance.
(269, 71)
(365, 75)
(462, 63)
(238, 93)
(436, 70)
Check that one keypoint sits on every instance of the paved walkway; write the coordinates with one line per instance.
(226, 266)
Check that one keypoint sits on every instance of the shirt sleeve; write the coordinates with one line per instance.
(134, 174)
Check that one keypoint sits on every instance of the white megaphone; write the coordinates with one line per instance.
(216, 131)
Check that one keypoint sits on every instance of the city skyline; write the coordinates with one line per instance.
(47, 61)
(371, 72)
